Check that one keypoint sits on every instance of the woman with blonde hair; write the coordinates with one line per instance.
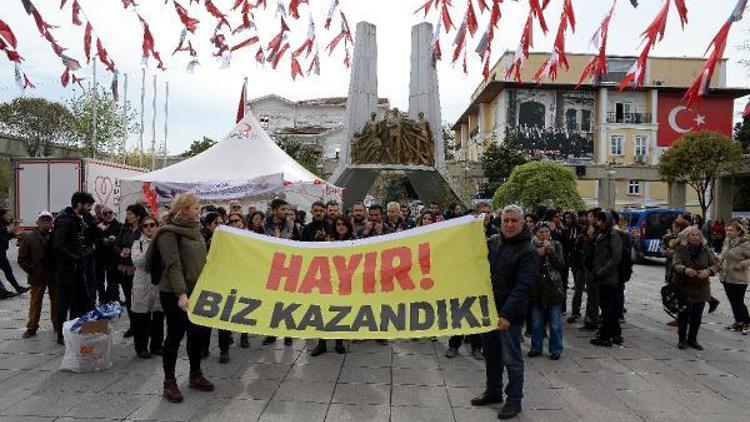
(735, 274)
(177, 255)
(694, 263)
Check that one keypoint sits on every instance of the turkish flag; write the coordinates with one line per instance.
(675, 119)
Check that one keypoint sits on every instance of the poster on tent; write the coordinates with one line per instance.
(220, 190)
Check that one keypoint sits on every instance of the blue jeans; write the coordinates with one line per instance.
(502, 350)
(538, 315)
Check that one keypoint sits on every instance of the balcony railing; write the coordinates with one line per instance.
(636, 118)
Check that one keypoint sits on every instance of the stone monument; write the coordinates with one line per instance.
(410, 143)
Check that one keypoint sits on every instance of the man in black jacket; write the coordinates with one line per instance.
(514, 266)
(106, 271)
(607, 252)
(69, 249)
(319, 228)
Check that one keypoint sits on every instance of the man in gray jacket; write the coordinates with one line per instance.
(607, 250)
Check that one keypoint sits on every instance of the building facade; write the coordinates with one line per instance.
(613, 139)
(319, 121)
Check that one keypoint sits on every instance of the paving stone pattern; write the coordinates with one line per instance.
(648, 379)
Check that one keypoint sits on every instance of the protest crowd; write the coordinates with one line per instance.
(84, 256)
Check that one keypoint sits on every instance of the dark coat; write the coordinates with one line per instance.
(31, 255)
(308, 233)
(104, 254)
(5, 237)
(607, 252)
(182, 251)
(68, 240)
(514, 267)
(548, 291)
(693, 289)
(286, 229)
(125, 239)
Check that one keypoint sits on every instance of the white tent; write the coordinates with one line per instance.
(247, 164)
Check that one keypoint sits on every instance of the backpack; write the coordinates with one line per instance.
(625, 269)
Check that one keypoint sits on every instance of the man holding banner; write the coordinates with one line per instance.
(514, 266)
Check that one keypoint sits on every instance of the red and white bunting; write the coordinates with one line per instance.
(148, 46)
(597, 66)
(190, 24)
(558, 57)
(294, 7)
(522, 51)
(701, 84)
(215, 12)
(331, 11)
(653, 34)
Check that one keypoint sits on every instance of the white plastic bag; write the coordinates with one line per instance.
(86, 352)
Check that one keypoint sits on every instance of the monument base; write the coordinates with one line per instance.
(429, 184)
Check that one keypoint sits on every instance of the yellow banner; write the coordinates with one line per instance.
(430, 281)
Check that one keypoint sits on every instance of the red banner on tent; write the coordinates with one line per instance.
(676, 120)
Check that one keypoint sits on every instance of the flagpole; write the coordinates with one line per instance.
(143, 98)
(153, 131)
(125, 119)
(166, 120)
(93, 115)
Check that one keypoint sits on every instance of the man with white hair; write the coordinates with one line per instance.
(394, 221)
(514, 266)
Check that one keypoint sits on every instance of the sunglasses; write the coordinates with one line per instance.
(149, 225)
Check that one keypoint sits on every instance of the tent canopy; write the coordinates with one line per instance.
(245, 154)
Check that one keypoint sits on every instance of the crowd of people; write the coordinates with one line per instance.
(84, 256)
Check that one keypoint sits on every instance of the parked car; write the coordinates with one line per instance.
(647, 227)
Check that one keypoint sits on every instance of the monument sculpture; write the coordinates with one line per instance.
(394, 140)
(407, 143)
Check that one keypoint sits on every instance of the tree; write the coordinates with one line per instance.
(540, 183)
(305, 154)
(697, 159)
(498, 161)
(199, 146)
(742, 134)
(112, 125)
(39, 123)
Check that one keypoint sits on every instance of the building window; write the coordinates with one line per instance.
(623, 113)
(571, 119)
(531, 114)
(640, 147)
(634, 187)
(616, 145)
(265, 121)
(586, 120)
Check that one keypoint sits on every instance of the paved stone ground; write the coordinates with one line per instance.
(648, 379)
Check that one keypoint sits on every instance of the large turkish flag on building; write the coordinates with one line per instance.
(675, 120)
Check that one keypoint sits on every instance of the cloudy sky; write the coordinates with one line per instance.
(204, 103)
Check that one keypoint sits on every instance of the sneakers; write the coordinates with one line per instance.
(713, 303)
(737, 326)
(477, 354)
(451, 353)
(224, 357)
(555, 356)
(573, 318)
(244, 341)
(28, 333)
(509, 411)
(484, 399)
(681, 345)
(198, 382)
(171, 392)
(319, 349)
